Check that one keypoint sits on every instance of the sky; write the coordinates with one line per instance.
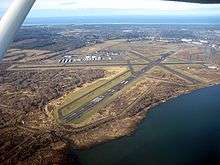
(61, 8)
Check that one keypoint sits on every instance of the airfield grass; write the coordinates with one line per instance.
(112, 72)
(98, 47)
(183, 69)
(81, 97)
(137, 68)
(174, 60)
(94, 110)
(105, 102)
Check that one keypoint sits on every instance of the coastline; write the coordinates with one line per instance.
(167, 127)
(129, 123)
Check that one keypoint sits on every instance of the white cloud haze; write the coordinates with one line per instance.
(146, 6)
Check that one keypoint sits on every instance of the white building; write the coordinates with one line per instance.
(186, 40)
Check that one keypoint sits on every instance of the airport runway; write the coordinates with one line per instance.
(149, 64)
(163, 65)
(190, 79)
(86, 108)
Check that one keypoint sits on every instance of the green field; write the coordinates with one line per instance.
(105, 102)
(81, 97)
(95, 109)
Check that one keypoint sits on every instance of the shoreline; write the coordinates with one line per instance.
(138, 118)
(169, 126)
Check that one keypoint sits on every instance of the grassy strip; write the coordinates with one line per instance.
(102, 104)
(99, 90)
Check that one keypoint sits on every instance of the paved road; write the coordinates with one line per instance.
(86, 108)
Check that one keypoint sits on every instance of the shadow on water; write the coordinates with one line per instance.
(70, 156)
(182, 131)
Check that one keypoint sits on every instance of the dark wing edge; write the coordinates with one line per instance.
(199, 1)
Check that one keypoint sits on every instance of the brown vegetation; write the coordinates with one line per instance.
(25, 127)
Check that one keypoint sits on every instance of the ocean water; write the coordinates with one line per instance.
(182, 131)
(78, 20)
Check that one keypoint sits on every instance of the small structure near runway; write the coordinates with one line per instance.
(98, 99)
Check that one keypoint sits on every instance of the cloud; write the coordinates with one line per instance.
(118, 4)
(67, 3)
(143, 7)
(4, 3)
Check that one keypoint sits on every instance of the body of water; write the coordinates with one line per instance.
(182, 131)
(80, 20)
